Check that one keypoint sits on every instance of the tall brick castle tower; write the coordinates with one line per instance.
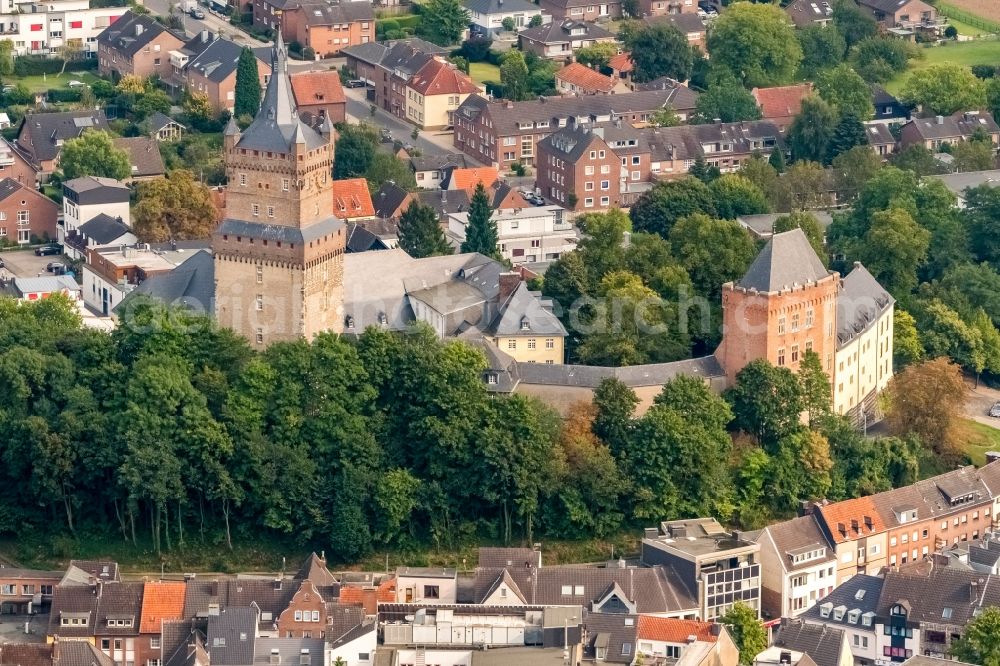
(279, 254)
(785, 305)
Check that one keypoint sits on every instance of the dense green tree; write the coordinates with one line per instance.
(6, 57)
(965, 287)
(514, 76)
(657, 210)
(846, 91)
(712, 251)
(727, 100)
(384, 168)
(614, 405)
(702, 171)
(926, 400)
(980, 644)
(893, 249)
(804, 186)
(811, 133)
(481, 232)
(247, 99)
(767, 401)
(657, 50)
(943, 89)
(777, 160)
(756, 43)
(746, 630)
(94, 154)
(849, 133)
(420, 232)
(906, 345)
(355, 151)
(810, 227)
(918, 159)
(973, 155)
(735, 195)
(878, 59)
(597, 55)
(821, 48)
(852, 23)
(174, 208)
(816, 393)
(444, 21)
(852, 169)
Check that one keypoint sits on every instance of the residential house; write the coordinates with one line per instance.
(24, 591)
(609, 638)
(26, 215)
(559, 39)
(267, 13)
(207, 65)
(723, 570)
(685, 642)
(469, 178)
(881, 139)
(138, 45)
(582, 10)
(42, 29)
(487, 16)
(798, 642)
(14, 164)
(351, 199)
(164, 128)
(503, 132)
(888, 109)
(805, 13)
(797, 565)
(391, 201)
(932, 133)
(26, 289)
(319, 95)
(506, 197)
(689, 23)
(354, 647)
(162, 601)
(232, 634)
(667, 7)
(431, 170)
(363, 60)
(328, 27)
(761, 226)
(526, 328)
(924, 609)
(579, 169)
(526, 235)
(392, 74)
(621, 66)
(101, 229)
(112, 272)
(84, 199)
(958, 183)
(577, 79)
(426, 585)
(305, 616)
(902, 14)
(780, 104)
(851, 608)
(57, 653)
(143, 156)
(42, 135)
(434, 92)
(116, 626)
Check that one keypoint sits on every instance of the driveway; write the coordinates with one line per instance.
(26, 264)
(979, 401)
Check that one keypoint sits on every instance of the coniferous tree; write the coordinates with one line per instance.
(481, 234)
(849, 132)
(777, 160)
(420, 234)
(247, 85)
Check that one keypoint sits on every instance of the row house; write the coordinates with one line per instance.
(15, 164)
(137, 45)
(780, 104)
(798, 567)
(207, 63)
(932, 133)
(328, 27)
(800, 643)
(434, 93)
(610, 165)
(582, 10)
(85, 199)
(26, 215)
(806, 13)
(685, 641)
(851, 608)
(44, 28)
(318, 96)
(364, 60)
(577, 79)
(560, 39)
(42, 135)
(503, 133)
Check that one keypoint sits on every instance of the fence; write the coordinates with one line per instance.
(966, 17)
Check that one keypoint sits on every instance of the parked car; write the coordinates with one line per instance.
(55, 267)
(76, 84)
(47, 250)
(995, 410)
(197, 14)
(355, 83)
(386, 135)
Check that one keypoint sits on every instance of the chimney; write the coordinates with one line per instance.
(508, 284)
(275, 657)
(214, 588)
(692, 639)
(55, 650)
(206, 36)
(939, 120)
(715, 629)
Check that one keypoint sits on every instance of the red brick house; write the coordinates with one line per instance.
(136, 44)
(305, 616)
(577, 169)
(664, 7)
(582, 10)
(932, 133)
(328, 27)
(162, 601)
(577, 79)
(21, 589)
(25, 214)
(319, 95)
(14, 164)
(781, 103)
(41, 136)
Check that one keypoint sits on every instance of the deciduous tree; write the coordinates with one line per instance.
(943, 89)
(735, 195)
(746, 630)
(756, 43)
(174, 208)
(980, 644)
(926, 400)
(767, 401)
(821, 48)
(657, 210)
(659, 49)
(845, 90)
(444, 21)
(514, 76)
(712, 251)
(94, 154)
(727, 100)
(812, 131)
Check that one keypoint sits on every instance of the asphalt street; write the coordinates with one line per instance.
(211, 21)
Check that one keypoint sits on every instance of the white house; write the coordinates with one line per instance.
(487, 16)
(84, 199)
(355, 648)
(798, 566)
(112, 271)
(43, 28)
(426, 585)
(526, 235)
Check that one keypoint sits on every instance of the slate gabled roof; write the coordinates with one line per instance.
(557, 32)
(218, 61)
(799, 534)
(860, 303)
(330, 13)
(388, 199)
(525, 308)
(860, 592)
(822, 644)
(939, 595)
(190, 283)
(232, 636)
(104, 229)
(787, 259)
(314, 570)
(132, 32)
(48, 130)
(500, 6)
(611, 632)
(497, 558)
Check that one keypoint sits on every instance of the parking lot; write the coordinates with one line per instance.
(25, 264)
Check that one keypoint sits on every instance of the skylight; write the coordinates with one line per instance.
(946, 613)
(859, 595)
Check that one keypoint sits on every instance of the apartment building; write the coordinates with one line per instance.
(851, 608)
(328, 27)
(26, 590)
(434, 93)
(504, 132)
(797, 565)
(43, 28)
(138, 45)
(84, 199)
(723, 567)
(207, 63)
(26, 215)
(527, 234)
(579, 170)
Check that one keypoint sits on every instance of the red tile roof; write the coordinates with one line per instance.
(351, 594)
(861, 511)
(781, 101)
(387, 591)
(671, 630)
(161, 600)
(437, 77)
(586, 78)
(621, 63)
(351, 199)
(317, 88)
(467, 179)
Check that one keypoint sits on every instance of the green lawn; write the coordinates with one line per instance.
(42, 83)
(982, 438)
(966, 29)
(484, 71)
(978, 52)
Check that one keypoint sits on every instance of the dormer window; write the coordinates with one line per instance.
(825, 609)
(898, 610)
(839, 612)
(853, 616)
(525, 324)
(866, 619)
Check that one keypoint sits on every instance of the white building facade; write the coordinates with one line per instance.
(43, 28)
(526, 235)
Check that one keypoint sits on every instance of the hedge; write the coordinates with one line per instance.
(63, 95)
(36, 65)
